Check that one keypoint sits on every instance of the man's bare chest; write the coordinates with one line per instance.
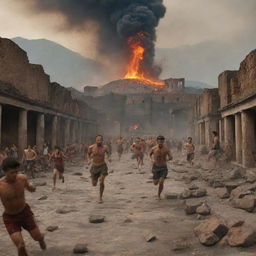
(12, 192)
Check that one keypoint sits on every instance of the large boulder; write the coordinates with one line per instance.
(241, 236)
(211, 231)
(246, 203)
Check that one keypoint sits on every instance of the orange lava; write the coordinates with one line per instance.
(133, 69)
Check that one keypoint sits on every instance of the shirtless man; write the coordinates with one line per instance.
(137, 149)
(190, 149)
(17, 213)
(158, 155)
(99, 168)
(215, 149)
(29, 157)
(120, 148)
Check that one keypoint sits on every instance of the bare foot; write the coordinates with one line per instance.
(100, 201)
(42, 244)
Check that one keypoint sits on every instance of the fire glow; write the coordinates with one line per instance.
(133, 69)
(135, 127)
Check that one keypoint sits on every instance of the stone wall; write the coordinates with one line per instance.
(207, 103)
(31, 82)
(16, 70)
(234, 86)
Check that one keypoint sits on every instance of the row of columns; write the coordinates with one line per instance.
(239, 137)
(75, 131)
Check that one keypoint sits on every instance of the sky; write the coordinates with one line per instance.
(187, 23)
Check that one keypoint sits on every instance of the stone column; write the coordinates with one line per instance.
(220, 131)
(54, 131)
(67, 131)
(207, 134)
(72, 132)
(23, 131)
(248, 139)
(0, 124)
(238, 132)
(202, 133)
(40, 131)
(229, 137)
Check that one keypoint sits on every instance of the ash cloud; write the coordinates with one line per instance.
(116, 21)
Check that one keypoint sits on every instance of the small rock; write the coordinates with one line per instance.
(52, 228)
(43, 198)
(40, 184)
(127, 220)
(231, 185)
(80, 249)
(180, 245)
(251, 175)
(234, 174)
(96, 219)
(191, 205)
(241, 236)
(203, 209)
(199, 192)
(186, 194)
(193, 187)
(77, 174)
(217, 184)
(245, 203)
(172, 195)
(222, 193)
(150, 238)
(65, 210)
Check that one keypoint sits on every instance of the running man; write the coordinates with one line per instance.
(99, 168)
(58, 157)
(190, 149)
(158, 155)
(17, 213)
(137, 149)
(120, 147)
(29, 157)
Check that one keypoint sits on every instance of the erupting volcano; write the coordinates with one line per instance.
(137, 56)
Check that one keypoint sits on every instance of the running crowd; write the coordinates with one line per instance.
(17, 213)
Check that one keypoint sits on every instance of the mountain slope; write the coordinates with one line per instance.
(63, 65)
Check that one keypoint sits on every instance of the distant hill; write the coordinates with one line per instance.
(63, 65)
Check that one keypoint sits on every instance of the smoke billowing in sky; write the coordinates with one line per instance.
(115, 22)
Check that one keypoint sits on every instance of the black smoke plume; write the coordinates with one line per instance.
(116, 22)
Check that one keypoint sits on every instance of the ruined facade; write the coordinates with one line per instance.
(133, 108)
(33, 110)
(233, 104)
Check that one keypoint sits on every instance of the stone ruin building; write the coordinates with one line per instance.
(130, 107)
(231, 110)
(33, 110)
